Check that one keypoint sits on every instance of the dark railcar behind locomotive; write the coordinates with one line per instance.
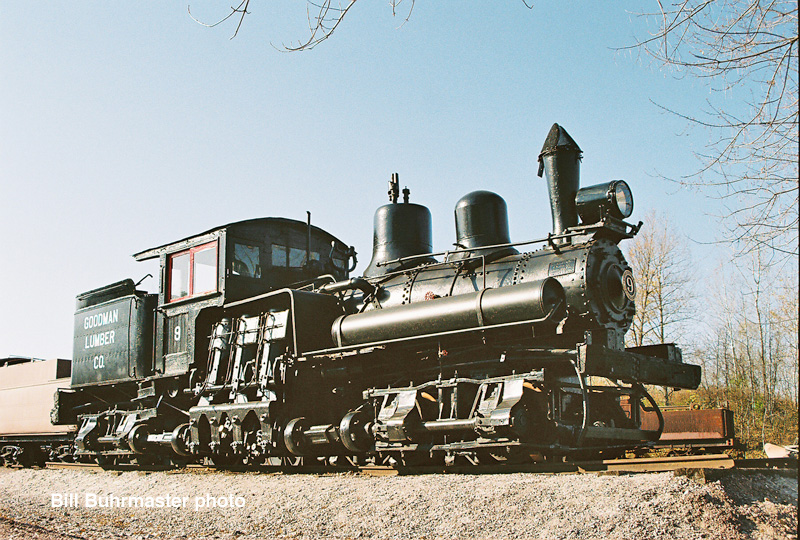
(259, 347)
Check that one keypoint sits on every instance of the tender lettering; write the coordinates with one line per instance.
(99, 340)
(101, 319)
(99, 362)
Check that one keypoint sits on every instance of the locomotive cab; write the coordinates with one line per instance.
(229, 263)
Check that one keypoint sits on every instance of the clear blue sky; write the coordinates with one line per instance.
(127, 125)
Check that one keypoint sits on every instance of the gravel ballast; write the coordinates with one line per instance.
(739, 504)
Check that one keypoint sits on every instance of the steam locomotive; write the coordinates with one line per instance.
(260, 348)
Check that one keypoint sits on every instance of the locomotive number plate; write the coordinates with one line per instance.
(560, 268)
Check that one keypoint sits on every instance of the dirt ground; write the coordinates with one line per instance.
(198, 505)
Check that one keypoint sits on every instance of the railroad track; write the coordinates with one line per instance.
(608, 466)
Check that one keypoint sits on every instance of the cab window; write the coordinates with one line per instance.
(278, 255)
(179, 276)
(246, 260)
(192, 272)
(283, 256)
(297, 257)
(204, 274)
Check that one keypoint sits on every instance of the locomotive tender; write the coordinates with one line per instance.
(261, 349)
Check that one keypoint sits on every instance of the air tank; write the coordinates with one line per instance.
(481, 220)
(540, 302)
(400, 230)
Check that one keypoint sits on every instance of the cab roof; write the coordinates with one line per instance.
(178, 245)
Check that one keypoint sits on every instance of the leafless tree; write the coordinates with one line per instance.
(747, 51)
(324, 17)
(750, 358)
(661, 265)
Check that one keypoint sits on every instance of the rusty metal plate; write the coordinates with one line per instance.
(692, 424)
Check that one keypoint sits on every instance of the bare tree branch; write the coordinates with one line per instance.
(747, 50)
(241, 9)
(322, 25)
(324, 17)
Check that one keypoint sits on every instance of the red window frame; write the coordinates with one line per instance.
(214, 244)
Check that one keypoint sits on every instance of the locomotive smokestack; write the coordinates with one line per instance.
(560, 161)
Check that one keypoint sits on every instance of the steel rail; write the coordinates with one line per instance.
(621, 466)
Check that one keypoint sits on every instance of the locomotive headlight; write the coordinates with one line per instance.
(610, 199)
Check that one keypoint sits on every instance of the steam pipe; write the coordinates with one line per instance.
(308, 237)
(354, 283)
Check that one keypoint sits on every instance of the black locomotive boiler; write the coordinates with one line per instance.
(261, 349)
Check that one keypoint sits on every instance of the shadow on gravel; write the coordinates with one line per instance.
(750, 487)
